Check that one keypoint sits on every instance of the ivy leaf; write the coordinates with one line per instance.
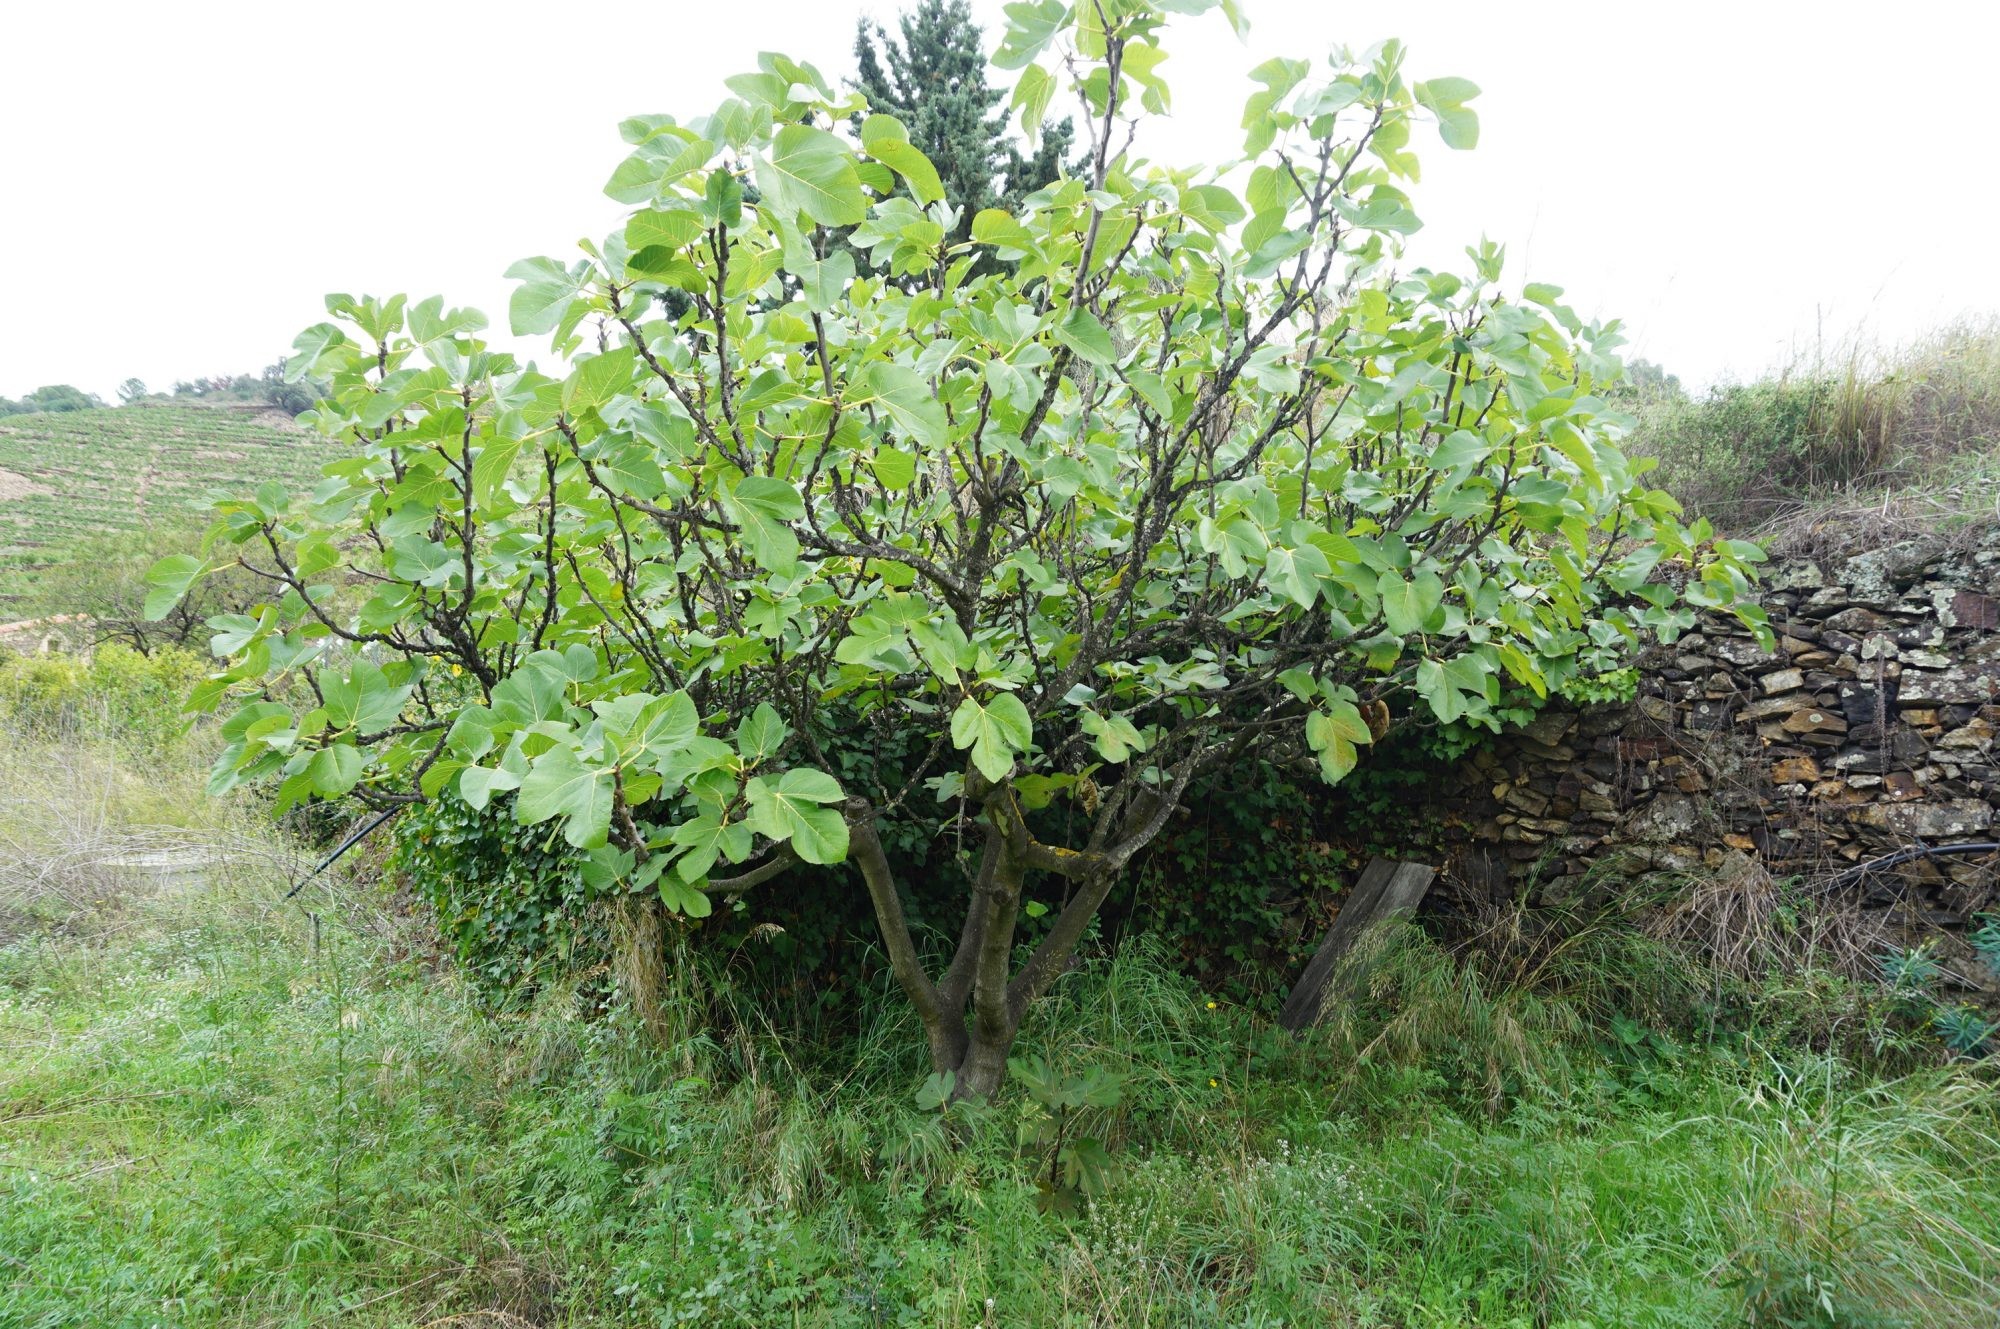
(560, 785)
(995, 733)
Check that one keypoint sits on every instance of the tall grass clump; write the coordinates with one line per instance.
(1912, 429)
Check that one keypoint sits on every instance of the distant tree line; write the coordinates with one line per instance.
(267, 387)
(55, 397)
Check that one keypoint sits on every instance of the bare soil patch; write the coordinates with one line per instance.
(15, 487)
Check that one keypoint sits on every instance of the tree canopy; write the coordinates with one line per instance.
(1191, 473)
(56, 397)
(934, 81)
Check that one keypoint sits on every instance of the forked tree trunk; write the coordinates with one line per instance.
(972, 1014)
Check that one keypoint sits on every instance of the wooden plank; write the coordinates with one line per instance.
(1386, 888)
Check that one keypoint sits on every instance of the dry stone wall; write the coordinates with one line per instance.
(1869, 727)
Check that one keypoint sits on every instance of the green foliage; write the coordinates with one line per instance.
(1218, 886)
(1911, 977)
(1613, 686)
(1985, 942)
(1079, 1168)
(1911, 430)
(1964, 1030)
(55, 399)
(114, 692)
(271, 386)
(1177, 475)
(211, 1121)
(1749, 452)
(934, 85)
(1646, 383)
(105, 579)
(513, 906)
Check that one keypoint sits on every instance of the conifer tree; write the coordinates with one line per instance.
(934, 81)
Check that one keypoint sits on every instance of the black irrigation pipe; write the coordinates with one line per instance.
(345, 845)
(1860, 871)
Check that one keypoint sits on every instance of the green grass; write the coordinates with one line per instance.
(1908, 434)
(68, 477)
(218, 1107)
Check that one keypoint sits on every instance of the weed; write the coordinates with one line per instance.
(1910, 432)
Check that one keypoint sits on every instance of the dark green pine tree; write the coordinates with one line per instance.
(934, 81)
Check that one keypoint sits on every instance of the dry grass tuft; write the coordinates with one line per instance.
(1742, 921)
(81, 833)
(1865, 441)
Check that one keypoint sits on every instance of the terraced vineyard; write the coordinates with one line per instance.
(68, 476)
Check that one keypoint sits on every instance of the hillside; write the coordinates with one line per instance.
(67, 476)
(1861, 445)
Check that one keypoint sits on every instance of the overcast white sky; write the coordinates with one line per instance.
(183, 182)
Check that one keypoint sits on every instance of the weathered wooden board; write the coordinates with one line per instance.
(1386, 888)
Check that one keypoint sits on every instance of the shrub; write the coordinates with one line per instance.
(104, 579)
(1748, 453)
(1191, 479)
(56, 397)
(509, 899)
(1912, 420)
(114, 693)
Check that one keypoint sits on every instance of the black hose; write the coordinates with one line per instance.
(1860, 871)
(345, 845)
